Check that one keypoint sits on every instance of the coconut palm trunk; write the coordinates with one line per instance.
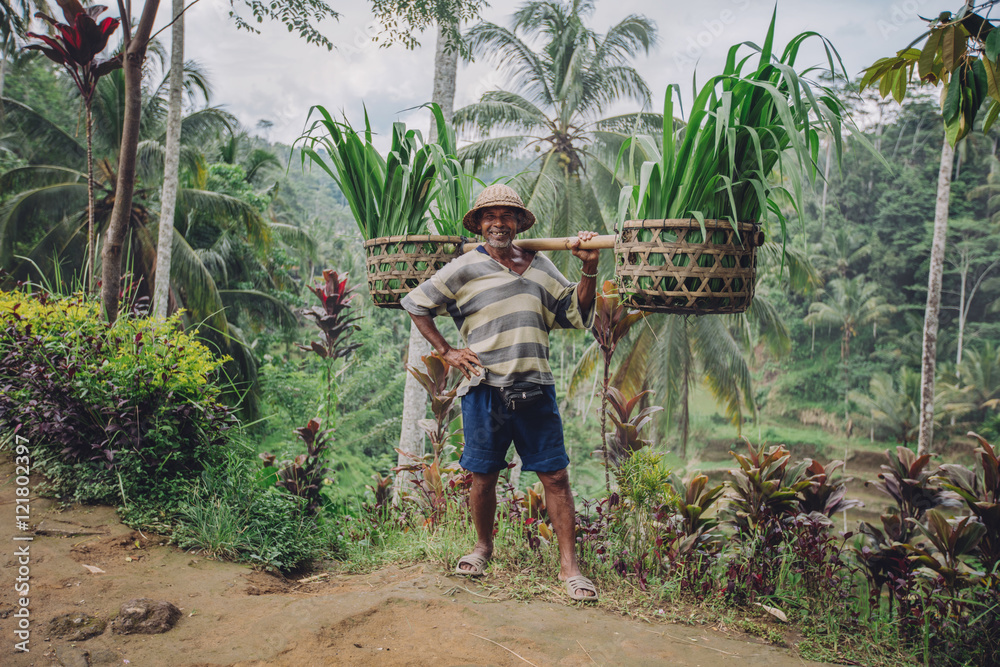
(168, 196)
(90, 268)
(932, 312)
(411, 437)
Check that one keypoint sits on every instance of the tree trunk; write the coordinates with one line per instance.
(604, 424)
(111, 257)
(685, 399)
(826, 189)
(411, 437)
(168, 196)
(445, 76)
(933, 310)
(89, 271)
(3, 71)
(965, 306)
(845, 355)
(962, 310)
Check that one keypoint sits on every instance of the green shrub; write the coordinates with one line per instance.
(123, 413)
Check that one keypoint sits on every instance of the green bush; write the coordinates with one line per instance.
(123, 413)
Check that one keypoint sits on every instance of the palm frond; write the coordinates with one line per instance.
(769, 325)
(516, 58)
(499, 109)
(36, 176)
(802, 275)
(258, 307)
(644, 122)
(204, 126)
(41, 140)
(196, 287)
(54, 249)
(37, 206)
(258, 162)
(296, 238)
(494, 149)
(725, 369)
(583, 370)
(224, 210)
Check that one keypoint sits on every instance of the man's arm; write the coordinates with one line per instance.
(586, 289)
(463, 359)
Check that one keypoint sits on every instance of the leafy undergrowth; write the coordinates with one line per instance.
(759, 554)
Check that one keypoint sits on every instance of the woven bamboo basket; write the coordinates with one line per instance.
(665, 266)
(397, 264)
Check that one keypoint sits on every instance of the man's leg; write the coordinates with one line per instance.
(559, 503)
(483, 499)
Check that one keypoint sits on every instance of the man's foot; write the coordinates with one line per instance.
(580, 588)
(473, 565)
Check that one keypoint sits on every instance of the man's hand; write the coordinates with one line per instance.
(588, 257)
(464, 360)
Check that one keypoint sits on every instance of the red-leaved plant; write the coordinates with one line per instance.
(626, 439)
(304, 475)
(436, 475)
(75, 45)
(332, 319)
(612, 322)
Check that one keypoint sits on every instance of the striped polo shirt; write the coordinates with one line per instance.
(503, 317)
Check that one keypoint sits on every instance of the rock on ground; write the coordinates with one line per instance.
(145, 616)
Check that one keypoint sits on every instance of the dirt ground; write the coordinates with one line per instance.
(233, 615)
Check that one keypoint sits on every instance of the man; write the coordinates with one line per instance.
(505, 300)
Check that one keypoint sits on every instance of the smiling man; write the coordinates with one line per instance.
(505, 301)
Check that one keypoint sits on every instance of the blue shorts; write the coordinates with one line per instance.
(489, 428)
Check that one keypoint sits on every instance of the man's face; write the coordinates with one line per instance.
(498, 224)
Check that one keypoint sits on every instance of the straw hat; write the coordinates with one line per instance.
(497, 195)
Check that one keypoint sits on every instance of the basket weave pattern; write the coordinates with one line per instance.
(665, 266)
(397, 264)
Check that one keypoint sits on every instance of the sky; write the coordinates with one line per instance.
(276, 76)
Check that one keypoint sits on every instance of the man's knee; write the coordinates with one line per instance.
(558, 479)
(485, 481)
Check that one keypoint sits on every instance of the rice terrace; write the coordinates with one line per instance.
(281, 283)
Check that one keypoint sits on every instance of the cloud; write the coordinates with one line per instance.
(275, 75)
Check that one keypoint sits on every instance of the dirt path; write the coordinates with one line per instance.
(233, 615)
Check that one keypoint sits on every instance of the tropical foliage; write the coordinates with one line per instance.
(741, 128)
(555, 108)
(223, 265)
(388, 196)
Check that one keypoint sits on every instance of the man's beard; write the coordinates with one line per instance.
(498, 244)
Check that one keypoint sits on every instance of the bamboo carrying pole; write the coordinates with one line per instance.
(603, 242)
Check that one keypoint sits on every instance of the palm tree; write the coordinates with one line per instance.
(171, 164)
(48, 190)
(851, 303)
(237, 148)
(974, 387)
(559, 95)
(895, 404)
(841, 251)
(15, 15)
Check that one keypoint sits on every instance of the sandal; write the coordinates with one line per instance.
(475, 561)
(576, 588)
